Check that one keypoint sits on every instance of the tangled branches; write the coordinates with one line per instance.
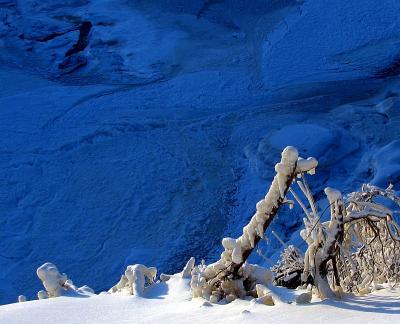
(288, 271)
(357, 249)
(372, 236)
(231, 277)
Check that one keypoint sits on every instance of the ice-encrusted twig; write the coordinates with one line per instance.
(310, 198)
(305, 210)
(279, 239)
(357, 223)
(225, 278)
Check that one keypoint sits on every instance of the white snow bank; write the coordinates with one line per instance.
(170, 303)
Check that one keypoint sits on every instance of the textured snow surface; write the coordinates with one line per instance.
(164, 141)
(311, 139)
(170, 303)
(333, 40)
(387, 164)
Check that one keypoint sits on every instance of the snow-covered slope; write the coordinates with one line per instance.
(162, 143)
(170, 303)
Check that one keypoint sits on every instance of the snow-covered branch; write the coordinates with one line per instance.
(135, 279)
(225, 278)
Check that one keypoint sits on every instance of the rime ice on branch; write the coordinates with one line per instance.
(57, 284)
(53, 281)
(231, 277)
(358, 249)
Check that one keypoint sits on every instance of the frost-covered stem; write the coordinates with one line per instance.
(310, 197)
(347, 255)
(286, 172)
(268, 260)
(388, 193)
(232, 276)
(330, 248)
(313, 216)
(279, 239)
(296, 197)
(366, 234)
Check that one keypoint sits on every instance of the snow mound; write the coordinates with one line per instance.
(311, 139)
(170, 302)
(387, 165)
